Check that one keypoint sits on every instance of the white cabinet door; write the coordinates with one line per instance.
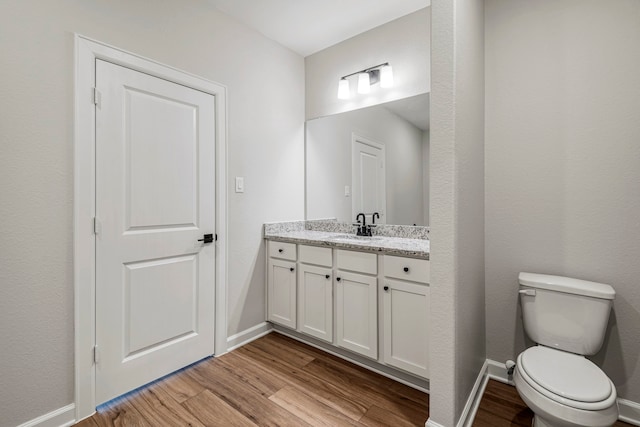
(155, 195)
(315, 302)
(406, 326)
(357, 317)
(281, 292)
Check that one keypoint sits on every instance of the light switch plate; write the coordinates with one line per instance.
(239, 184)
(347, 191)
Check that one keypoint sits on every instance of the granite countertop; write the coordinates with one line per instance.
(402, 246)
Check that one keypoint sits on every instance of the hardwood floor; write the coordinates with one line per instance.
(277, 381)
(501, 406)
(273, 381)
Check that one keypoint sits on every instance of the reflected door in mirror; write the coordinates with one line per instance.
(368, 178)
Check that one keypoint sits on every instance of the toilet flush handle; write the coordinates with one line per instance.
(528, 292)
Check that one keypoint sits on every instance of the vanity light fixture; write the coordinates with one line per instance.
(343, 89)
(382, 73)
(364, 83)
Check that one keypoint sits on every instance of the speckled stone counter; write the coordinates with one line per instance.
(343, 236)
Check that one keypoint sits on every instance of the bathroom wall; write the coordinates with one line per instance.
(265, 145)
(563, 164)
(329, 149)
(457, 207)
(404, 43)
(425, 175)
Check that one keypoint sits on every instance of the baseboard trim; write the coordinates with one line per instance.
(431, 423)
(629, 411)
(248, 335)
(62, 417)
(498, 371)
(475, 396)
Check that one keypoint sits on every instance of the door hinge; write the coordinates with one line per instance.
(96, 354)
(216, 237)
(97, 226)
(97, 96)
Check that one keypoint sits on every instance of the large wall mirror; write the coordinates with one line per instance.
(374, 159)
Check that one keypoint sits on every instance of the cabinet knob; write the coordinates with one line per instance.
(280, 250)
(338, 279)
(386, 288)
(291, 269)
(327, 276)
(406, 269)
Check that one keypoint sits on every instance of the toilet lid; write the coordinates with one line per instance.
(566, 374)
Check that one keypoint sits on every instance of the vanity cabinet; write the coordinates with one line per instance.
(281, 284)
(315, 292)
(357, 302)
(405, 314)
(375, 305)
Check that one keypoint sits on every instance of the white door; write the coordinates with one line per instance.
(155, 197)
(281, 292)
(357, 317)
(406, 326)
(316, 301)
(368, 179)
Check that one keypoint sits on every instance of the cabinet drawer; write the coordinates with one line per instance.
(415, 270)
(362, 262)
(315, 255)
(282, 250)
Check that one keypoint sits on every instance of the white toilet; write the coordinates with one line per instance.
(567, 318)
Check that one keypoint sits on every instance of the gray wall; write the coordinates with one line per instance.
(563, 164)
(265, 145)
(457, 206)
(329, 164)
(404, 43)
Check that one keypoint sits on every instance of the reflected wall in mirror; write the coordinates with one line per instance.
(375, 159)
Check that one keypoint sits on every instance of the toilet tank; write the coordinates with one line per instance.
(565, 313)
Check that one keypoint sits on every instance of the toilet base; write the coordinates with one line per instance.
(541, 422)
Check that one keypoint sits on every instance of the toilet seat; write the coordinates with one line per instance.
(566, 378)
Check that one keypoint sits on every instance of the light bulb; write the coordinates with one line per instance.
(386, 76)
(363, 83)
(343, 89)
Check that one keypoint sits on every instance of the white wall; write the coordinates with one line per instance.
(404, 43)
(425, 176)
(457, 207)
(265, 145)
(563, 164)
(329, 155)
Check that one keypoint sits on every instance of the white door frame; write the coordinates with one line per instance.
(86, 53)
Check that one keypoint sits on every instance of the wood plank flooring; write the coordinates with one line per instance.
(277, 381)
(501, 406)
(273, 381)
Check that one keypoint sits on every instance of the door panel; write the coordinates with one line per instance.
(282, 292)
(169, 288)
(316, 302)
(357, 317)
(155, 197)
(406, 326)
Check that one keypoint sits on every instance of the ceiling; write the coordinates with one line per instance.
(414, 109)
(308, 26)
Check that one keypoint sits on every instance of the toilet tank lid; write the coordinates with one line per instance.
(567, 285)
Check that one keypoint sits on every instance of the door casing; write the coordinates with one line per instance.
(86, 53)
